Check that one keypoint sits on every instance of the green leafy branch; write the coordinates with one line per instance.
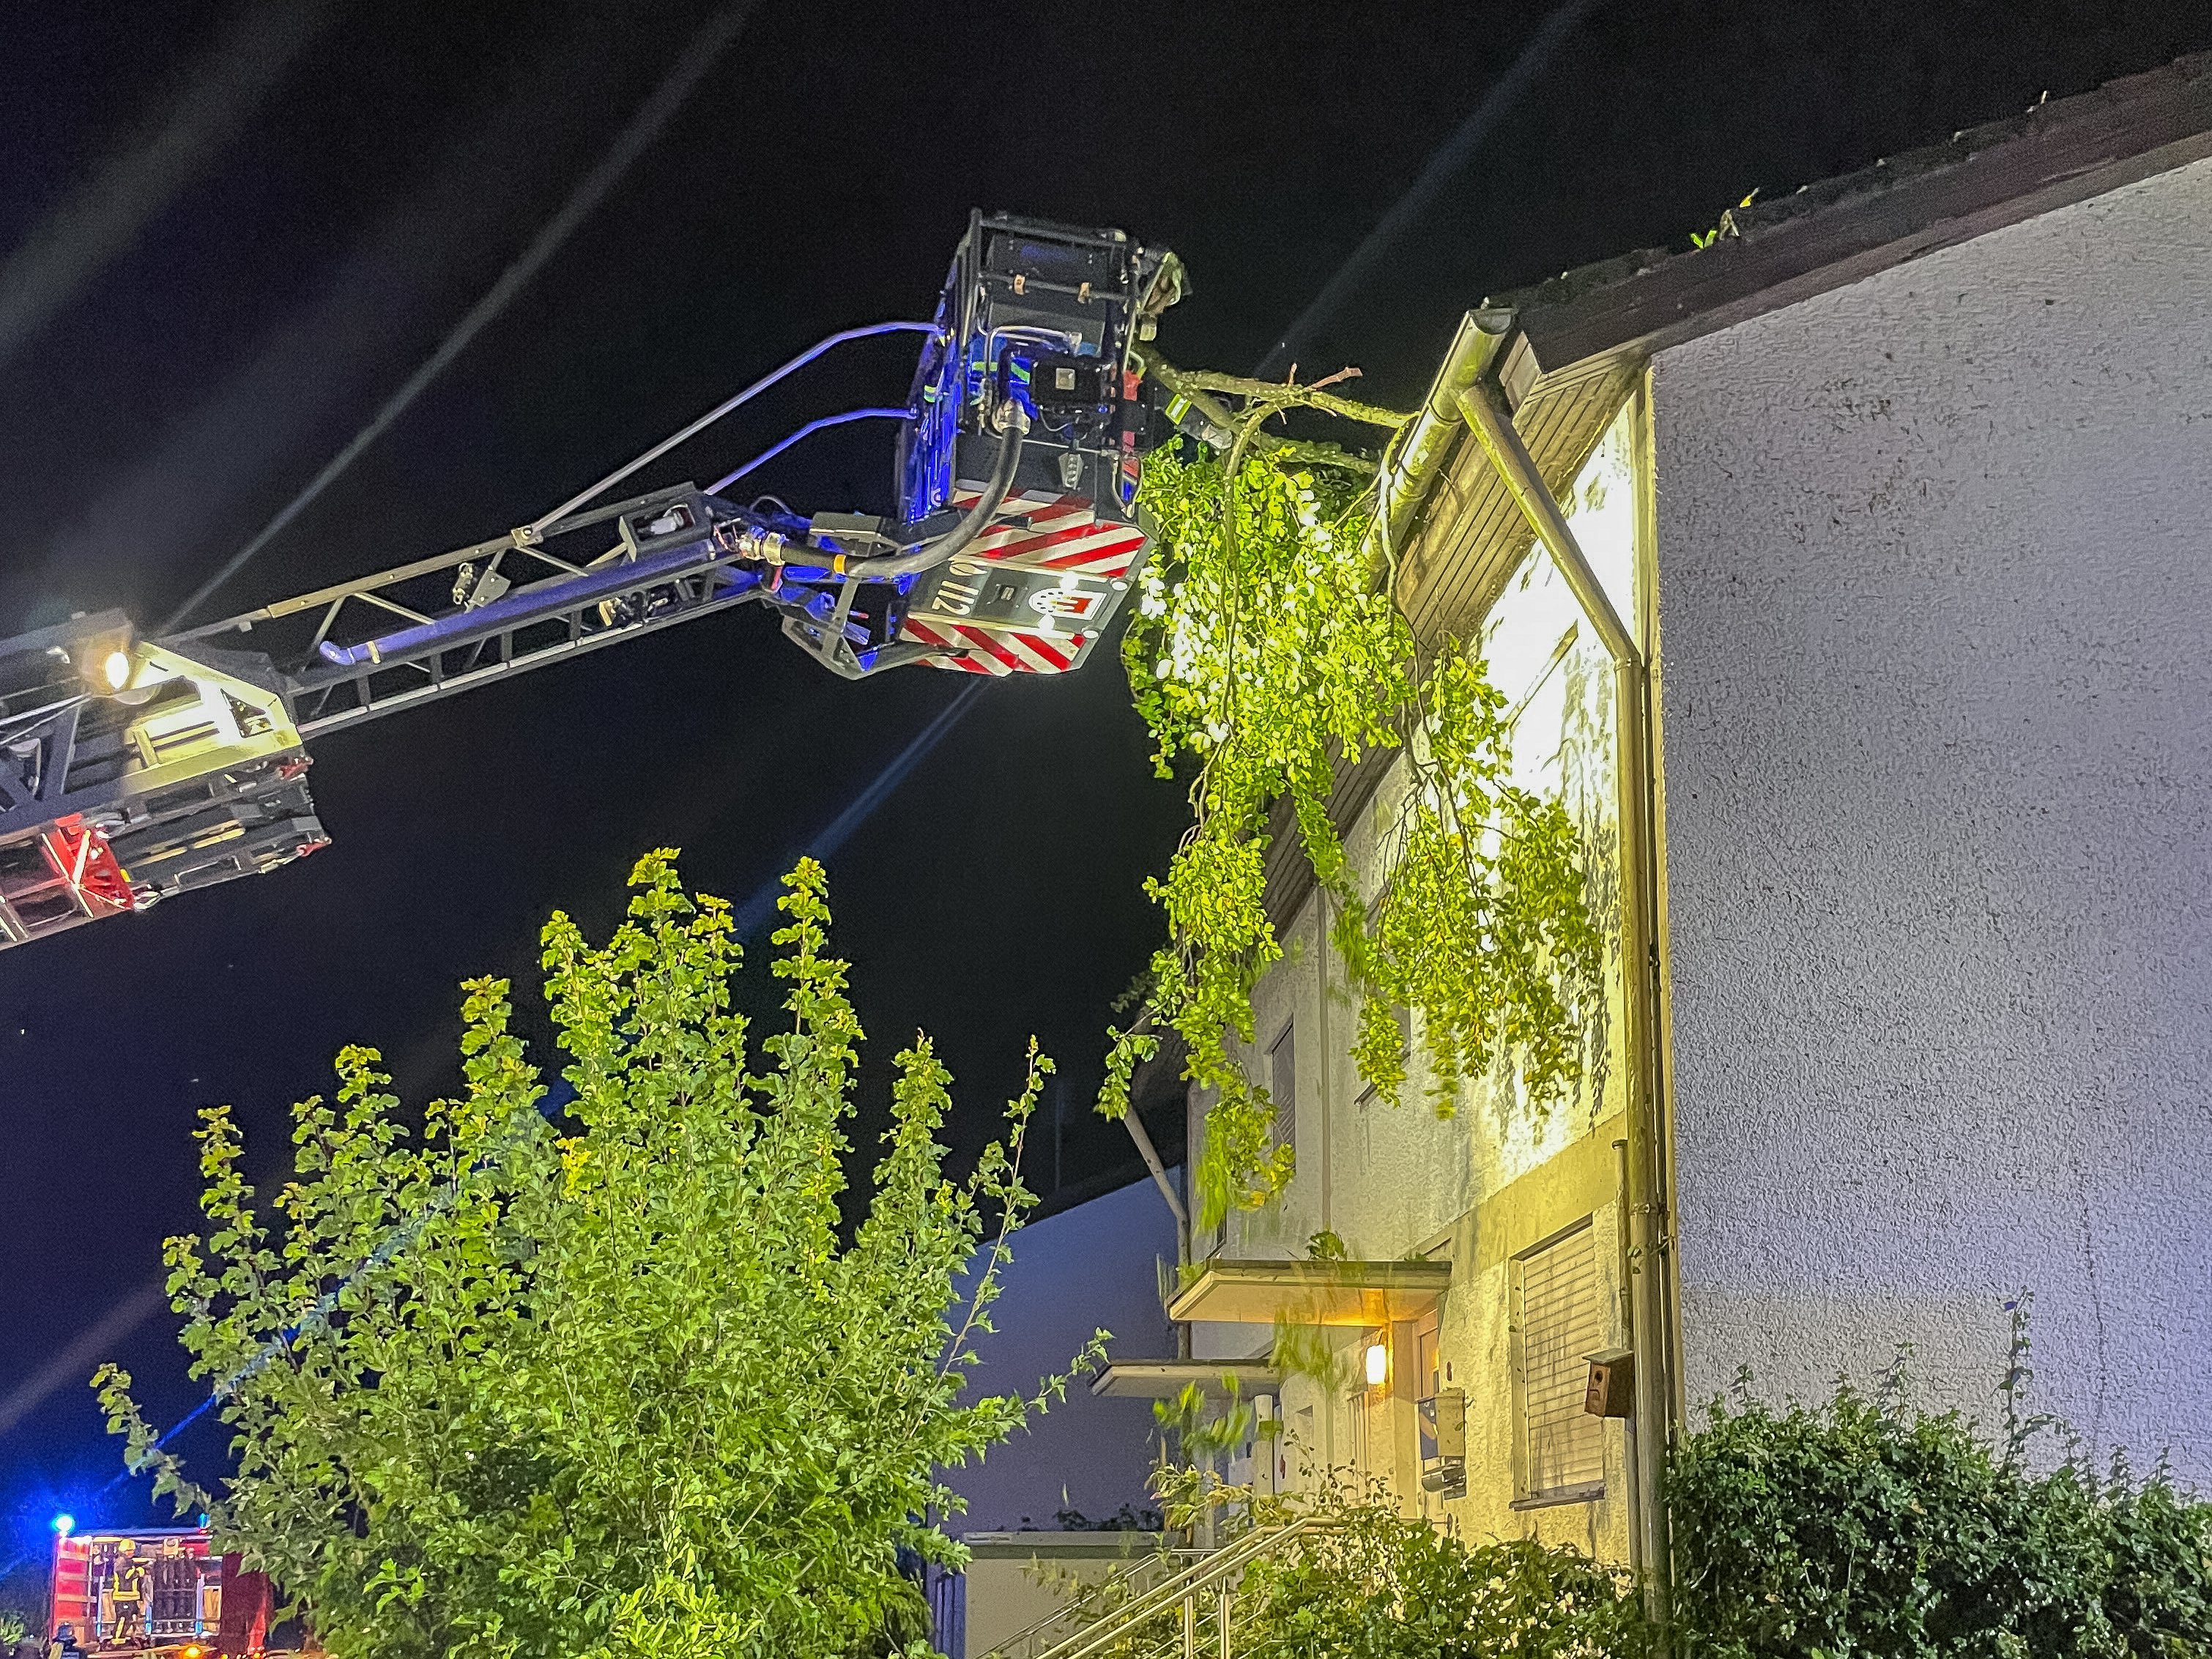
(1267, 646)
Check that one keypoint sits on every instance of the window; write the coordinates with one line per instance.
(1283, 1085)
(1558, 1323)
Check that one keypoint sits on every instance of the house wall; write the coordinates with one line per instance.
(1492, 1177)
(1093, 1265)
(1016, 1581)
(1936, 691)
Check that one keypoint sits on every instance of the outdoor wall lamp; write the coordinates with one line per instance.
(1378, 1365)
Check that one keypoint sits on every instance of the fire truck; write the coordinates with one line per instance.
(134, 768)
(155, 1591)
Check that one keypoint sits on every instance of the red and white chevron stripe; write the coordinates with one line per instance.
(1061, 533)
(997, 651)
(1042, 532)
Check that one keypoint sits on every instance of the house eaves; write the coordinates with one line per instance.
(1457, 535)
(1776, 253)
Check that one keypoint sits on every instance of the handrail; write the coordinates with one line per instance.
(1214, 1570)
(1104, 1587)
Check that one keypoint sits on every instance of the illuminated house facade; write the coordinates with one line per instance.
(1849, 580)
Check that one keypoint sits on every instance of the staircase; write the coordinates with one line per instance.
(1137, 1614)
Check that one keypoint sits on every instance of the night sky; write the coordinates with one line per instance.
(211, 273)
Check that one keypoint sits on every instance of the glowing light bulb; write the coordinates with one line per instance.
(118, 670)
(65, 1524)
(1378, 1365)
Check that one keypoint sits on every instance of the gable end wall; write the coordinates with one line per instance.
(1935, 593)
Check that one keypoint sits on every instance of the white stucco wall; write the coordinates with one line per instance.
(1480, 1185)
(1935, 605)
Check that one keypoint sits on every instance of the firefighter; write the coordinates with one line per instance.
(127, 1597)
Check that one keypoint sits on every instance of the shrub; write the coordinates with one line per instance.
(1380, 1585)
(1370, 1582)
(1858, 1527)
(646, 1382)
(1864, 1527)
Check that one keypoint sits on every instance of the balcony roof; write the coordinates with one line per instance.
(1109, 1542)
(1311, 1292)
(1163, 1379)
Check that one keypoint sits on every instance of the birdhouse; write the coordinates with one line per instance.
(1612, 1383)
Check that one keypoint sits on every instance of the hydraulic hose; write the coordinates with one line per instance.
(1013, 426)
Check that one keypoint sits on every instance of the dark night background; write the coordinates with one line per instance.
(818, 178)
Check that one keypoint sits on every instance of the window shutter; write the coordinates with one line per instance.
(1561, 1322)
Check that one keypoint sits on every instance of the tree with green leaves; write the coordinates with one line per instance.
(633, 1382)
(1268, 647)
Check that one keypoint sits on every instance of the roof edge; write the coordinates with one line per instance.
(1836, 232)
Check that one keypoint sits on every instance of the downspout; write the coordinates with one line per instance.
(1651, 1336)
(1624, 1277)
(1150, 1153)
(1482, 408)
(1327, 1136)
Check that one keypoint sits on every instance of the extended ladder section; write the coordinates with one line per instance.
(134, 768)
(447, 623)
(1137, 1615)
(130, 772)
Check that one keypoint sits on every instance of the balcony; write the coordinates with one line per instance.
(1351, 1293)
(1164, 1379)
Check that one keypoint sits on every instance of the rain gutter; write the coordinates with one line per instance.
(1430, 441)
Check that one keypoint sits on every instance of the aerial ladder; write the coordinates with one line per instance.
(133, 768)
